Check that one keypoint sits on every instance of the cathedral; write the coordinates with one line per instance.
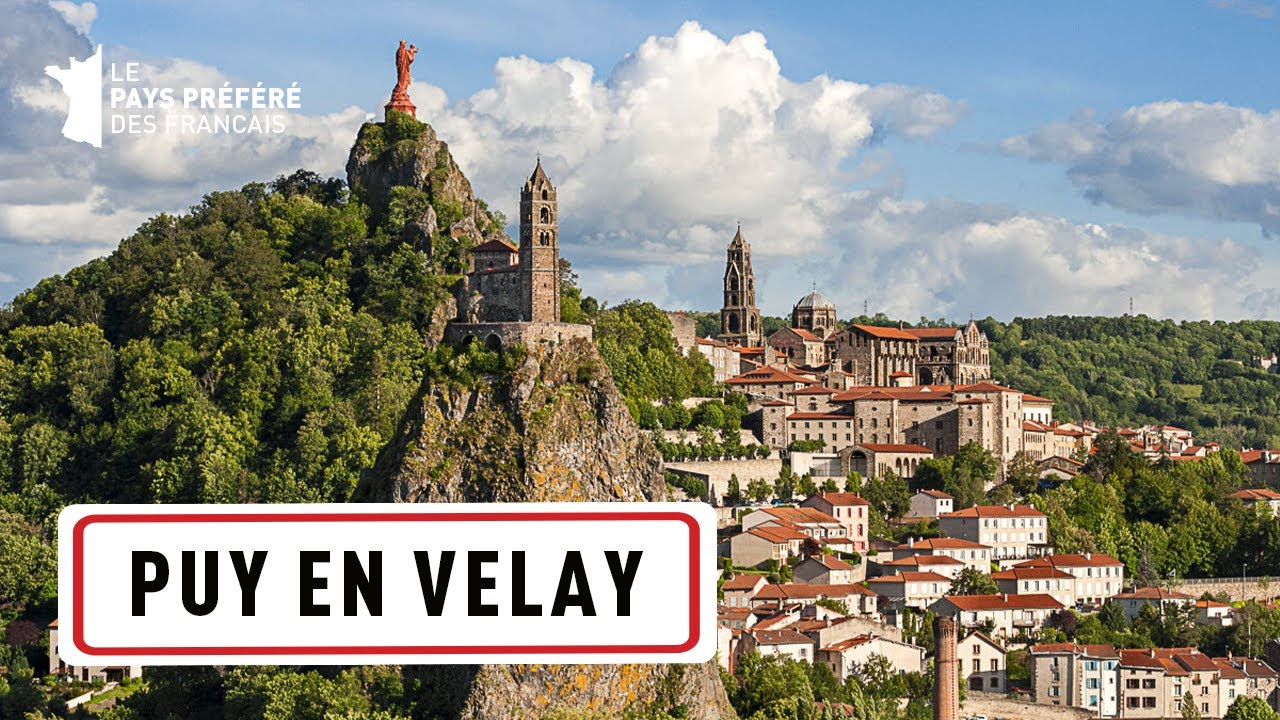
(852, 355)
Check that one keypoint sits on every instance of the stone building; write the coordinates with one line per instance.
(512, 295)
(872, 354)
(740, 318)
(952, 355)
(815, 313)
(684, 330)
(796, 346)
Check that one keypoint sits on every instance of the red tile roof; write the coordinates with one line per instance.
(996, 511)
(843, 499)
(919, 560)
(767, 375)
(977, 603)
(819, 416)
(1031, 573)
(1071, 560)
(912, 576)
(929, 333)
(1256, 494)
(806, 591)
(887, 333)
(943, 544)
(1153, 593)
(1029, 398)
(743, 581)
(847, 643)
(937, 494)
(494, 246)
(785, 636)
(776, 534)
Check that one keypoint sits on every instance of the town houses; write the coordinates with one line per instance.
(817, 569)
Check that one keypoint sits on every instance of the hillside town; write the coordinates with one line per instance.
(812, 571)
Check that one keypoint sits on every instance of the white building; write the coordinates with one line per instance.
(930, 504)
(1098, 576)
(1014, 532)
(980, 662)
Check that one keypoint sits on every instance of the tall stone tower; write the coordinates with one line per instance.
(946, 678)
(539, 250)
(740, 318)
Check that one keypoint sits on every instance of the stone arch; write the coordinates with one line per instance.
(493, 342)
(733, 323)
(544, 214)
(545, 194)
(926, 376)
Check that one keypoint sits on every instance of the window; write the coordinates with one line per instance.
(1148, 702)
(1131, 702)
(1132, 684)
(1149, 684)
(995, 665)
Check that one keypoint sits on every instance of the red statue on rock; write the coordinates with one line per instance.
(400, 94)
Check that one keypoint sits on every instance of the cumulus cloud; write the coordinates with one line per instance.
(1188, 158)
(62, 202)
(656, 162)
(79, 16)
(692, 133)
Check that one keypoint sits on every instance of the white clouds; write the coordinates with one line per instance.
(957, 259)
(684, 137)
(78, 16)
(1189, 158)
(688, 131)
(65, 202)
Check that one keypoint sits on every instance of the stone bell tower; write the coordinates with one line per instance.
(739, 317)
(539, 250)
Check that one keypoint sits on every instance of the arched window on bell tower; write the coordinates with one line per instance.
(544, 214)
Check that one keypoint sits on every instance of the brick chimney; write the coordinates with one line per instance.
(946, 681)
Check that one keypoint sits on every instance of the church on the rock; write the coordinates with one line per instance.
(512, 294)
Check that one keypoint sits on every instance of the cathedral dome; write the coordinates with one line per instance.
(815, 299)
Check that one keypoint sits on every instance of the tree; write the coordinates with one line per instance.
(785, 486)
(853, 483)
(733, 495)
(28, 566)
(971, 581)
(888, 494)
(829, 485)
(758, 489)
(1247, 707)
(1189, 709)
(1022, 473)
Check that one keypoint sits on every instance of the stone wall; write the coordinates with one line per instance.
(516, 333)
(716, 473)
(1235, 588)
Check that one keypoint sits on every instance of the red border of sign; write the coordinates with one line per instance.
(78, 577)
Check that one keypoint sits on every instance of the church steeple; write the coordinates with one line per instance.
(739, 317)
(539, 249)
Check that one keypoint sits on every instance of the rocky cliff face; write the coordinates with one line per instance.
(554, 429)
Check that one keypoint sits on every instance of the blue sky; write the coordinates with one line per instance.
(1005, 72)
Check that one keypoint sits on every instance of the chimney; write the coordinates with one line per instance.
(1088, 556)
(911, 542)
(946, 681)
